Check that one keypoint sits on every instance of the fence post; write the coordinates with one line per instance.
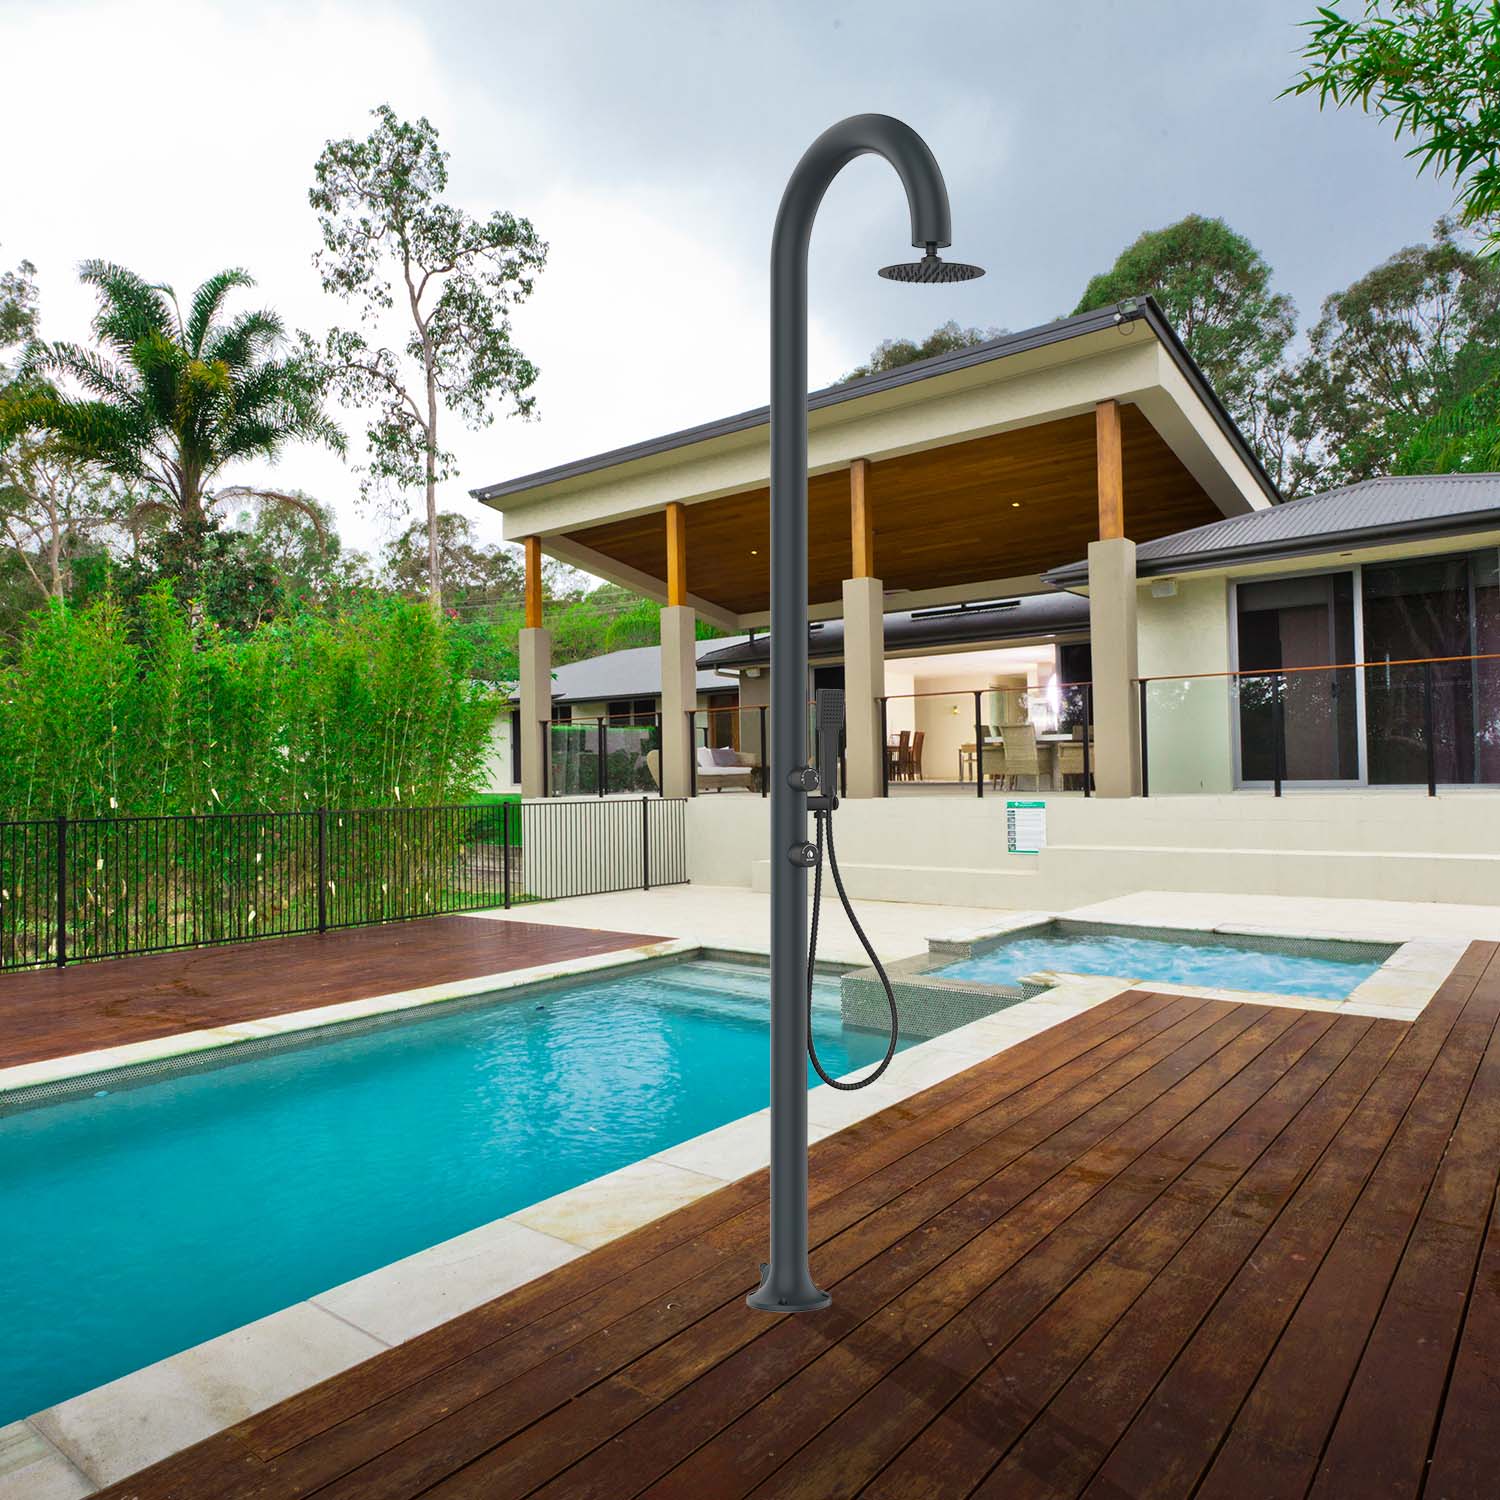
(645, 844)
(1427, 717)
(600, 779)
(322, 869)
(885, 748)
(1088, 729)
(505, 845)
(692, 756)
(978, 744)
(1277, 732)
(1145, 757)
(62, 890)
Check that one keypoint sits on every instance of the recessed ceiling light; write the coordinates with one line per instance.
(755, 552)
(1015, 505)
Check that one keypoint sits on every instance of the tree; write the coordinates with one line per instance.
(304, 550)
(1431, 69)
(1414, 336)
(51, 505)
(468, 570)
(168, 401)
(1215, 288)
(18, 299)
(387, 233)
(889, 354)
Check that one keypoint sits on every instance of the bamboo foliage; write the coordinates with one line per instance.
(104, 711)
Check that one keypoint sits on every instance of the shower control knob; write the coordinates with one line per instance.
(803, 779)
(804, 855)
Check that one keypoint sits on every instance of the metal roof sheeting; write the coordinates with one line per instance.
(633, 673)
(990, 622)
(1368, 514)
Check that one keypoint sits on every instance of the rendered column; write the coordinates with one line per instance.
(755, 694)
(536, 707)
(864, 682)
(1112, 639)
(679, 694)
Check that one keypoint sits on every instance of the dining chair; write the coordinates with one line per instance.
(1020, 754)
(916, 754)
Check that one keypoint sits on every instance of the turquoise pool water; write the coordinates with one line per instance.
(1214, 965)
(145, 1221)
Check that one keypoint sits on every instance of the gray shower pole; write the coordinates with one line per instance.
(787, 1284)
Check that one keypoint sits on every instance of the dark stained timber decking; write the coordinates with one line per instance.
(57, 1012)
(1172, 1247)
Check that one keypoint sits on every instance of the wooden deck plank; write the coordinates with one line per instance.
(883, 1383)
(1466, 1457)
(1384, 1433)
(1086, 1266)
(1175, 1435)
(965, 1442)
(865, 1167)
(1063, 1448)
(1280, 1433)
(58, 1012)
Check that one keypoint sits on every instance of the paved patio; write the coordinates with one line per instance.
(1170, 1246)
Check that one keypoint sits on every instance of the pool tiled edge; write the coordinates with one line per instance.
(115, 1429)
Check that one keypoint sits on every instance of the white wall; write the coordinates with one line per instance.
(952, 850)
(498, 776)
(1190, 723)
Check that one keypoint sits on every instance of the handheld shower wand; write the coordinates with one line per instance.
(786, 1283)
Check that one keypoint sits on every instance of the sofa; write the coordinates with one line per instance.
(721, 767)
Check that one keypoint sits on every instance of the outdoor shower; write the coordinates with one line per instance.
(786, 1283)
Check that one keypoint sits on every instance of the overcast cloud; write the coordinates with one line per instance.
(649, 143)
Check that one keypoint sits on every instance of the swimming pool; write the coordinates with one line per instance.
(147, 1220)
(1204, 960)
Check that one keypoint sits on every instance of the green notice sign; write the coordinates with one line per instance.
(1025, 827)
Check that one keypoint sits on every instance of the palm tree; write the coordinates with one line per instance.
(166, 402)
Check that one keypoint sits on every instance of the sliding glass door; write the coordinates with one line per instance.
(1301, 631)
(1419, 626)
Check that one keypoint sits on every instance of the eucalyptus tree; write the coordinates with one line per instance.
(389, 238)
(167, 399)
(1391, 353)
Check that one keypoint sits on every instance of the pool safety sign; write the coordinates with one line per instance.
(1025, 827)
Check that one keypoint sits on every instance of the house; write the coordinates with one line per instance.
(1061, 532)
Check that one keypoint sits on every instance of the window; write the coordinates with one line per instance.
(631, 711)
(1284, 624)
(1407, 621)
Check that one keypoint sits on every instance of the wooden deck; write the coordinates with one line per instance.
(57, 1012)
(1173, 1247)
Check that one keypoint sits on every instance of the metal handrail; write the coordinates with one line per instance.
(1345, 666)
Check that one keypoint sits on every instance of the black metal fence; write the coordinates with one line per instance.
(88, 888)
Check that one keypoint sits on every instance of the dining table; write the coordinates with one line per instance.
(1049, 761)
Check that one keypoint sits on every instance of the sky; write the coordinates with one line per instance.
(649, 143)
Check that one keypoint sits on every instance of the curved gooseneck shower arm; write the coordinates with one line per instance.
(787, 1284)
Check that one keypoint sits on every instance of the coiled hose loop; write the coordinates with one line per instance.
(824, 822)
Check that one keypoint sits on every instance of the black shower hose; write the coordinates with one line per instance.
(824, 821)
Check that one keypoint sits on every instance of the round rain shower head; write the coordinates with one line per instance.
(931, 270)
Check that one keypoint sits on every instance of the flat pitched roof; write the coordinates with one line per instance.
(1143, 309)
